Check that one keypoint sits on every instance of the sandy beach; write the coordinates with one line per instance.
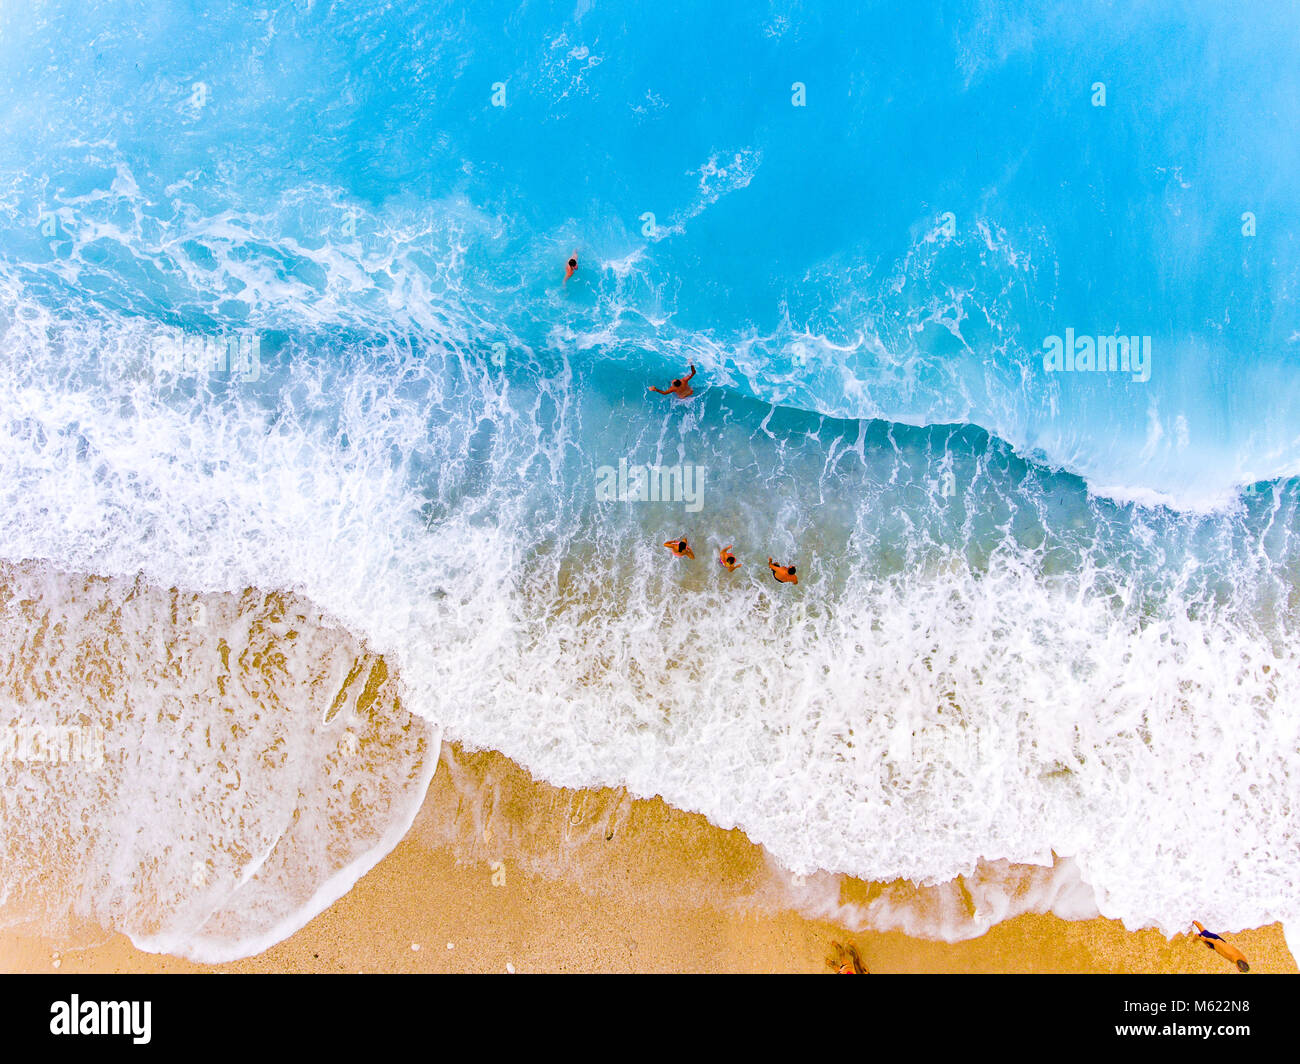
(653, 489)
(500, 871)
(465, 892)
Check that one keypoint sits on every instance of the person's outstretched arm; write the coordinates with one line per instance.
(692, 371)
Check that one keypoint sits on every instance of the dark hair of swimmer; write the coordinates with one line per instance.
(790, 570)
(731, 559)
(677, 384)
(573, 262)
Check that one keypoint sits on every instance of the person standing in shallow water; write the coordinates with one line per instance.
(1223, 949)
(727, 559)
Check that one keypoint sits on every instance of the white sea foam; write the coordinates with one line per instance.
(868, 723)
(255, 763)
(902, 727)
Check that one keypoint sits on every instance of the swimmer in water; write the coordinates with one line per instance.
(1227, 952)
(680, 387)
(680, 548)
(784, 573)
(728, 560)
(570, 267)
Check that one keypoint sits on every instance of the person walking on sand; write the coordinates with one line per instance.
(1214, 942)
(847, 961)
(570, 267)
(680, 387)
(785, 574)
(680, 548)
(728, 560)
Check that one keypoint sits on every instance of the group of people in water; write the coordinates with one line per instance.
(681, 389)
(784, 574)
(846, 960)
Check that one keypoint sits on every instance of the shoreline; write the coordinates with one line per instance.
(509, 869)
(466, 892)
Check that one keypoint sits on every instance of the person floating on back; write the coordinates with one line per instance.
(728, 560)
(680, 387)
(680, 548)
(570, 267)
(1214, 942)
(785, 574)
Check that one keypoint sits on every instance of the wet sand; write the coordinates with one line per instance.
(501, 873)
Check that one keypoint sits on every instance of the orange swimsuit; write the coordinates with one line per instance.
(680, 548)
(784, 573)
